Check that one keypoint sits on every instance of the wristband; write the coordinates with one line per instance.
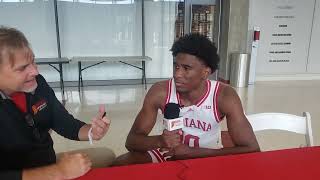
(90, 136)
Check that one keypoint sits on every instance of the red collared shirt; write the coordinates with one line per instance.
(19, 99)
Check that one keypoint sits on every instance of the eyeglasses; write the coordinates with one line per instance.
(31, 124)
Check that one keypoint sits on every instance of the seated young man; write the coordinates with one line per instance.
(203, 103)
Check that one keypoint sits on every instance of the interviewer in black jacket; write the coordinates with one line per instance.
(28, 110)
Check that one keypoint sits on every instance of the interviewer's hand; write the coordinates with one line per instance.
(100, 125)
(73, 165)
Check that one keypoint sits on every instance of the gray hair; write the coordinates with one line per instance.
(11, 39)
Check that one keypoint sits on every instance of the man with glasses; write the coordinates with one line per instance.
(28, 110)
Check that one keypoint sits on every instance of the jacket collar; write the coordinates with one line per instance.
(3, 95)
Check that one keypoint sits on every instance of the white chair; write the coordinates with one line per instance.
(281, 121)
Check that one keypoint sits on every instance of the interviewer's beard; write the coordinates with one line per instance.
(30, 89)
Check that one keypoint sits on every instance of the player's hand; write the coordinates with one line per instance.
(170, 139)
(180, 152)
(73, 165)
(100, 124)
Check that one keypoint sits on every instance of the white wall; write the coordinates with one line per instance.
(100, 30)
(160, 21)
(88, 29)
(314, 52)
(298, 23)
(36, 21)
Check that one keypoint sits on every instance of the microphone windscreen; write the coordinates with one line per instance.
(171, 111)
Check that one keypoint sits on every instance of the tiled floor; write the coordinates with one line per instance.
(123, 103)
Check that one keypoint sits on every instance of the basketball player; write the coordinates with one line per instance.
(204, 103)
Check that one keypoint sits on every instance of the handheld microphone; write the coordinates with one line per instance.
(171, 120)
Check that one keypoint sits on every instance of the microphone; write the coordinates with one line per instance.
(171, 111)
(171, 120)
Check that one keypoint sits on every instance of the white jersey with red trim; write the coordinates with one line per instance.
(201, 121)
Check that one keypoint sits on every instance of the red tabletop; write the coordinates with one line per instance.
(292, 164)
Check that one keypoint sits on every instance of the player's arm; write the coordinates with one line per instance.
(138, 139)
(239, 128)
(238, 125)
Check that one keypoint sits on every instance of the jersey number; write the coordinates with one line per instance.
(191, 141)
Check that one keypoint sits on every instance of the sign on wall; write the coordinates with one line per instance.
(285, 34)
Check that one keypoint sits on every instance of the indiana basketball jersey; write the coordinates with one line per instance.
(201, 121)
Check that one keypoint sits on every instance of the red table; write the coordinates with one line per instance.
(300, 163)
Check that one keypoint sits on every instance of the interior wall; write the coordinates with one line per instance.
(96, 29)
(314, 53)
(285, 30)
(234, 32)
(35, 20)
